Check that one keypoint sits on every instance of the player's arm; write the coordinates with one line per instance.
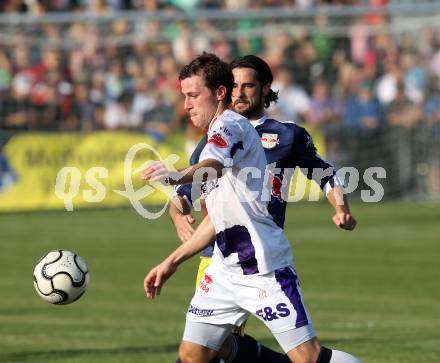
(180, 212)
(202, 238)
(182, 204)
(324, 174)
(222, 144)
(182, 218)
(342, 218)
(204, 170)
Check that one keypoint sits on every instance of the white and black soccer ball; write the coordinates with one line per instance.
(61, 277)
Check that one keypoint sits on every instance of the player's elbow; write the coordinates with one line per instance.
(209, 169)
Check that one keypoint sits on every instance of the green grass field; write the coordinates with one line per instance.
(374, 292)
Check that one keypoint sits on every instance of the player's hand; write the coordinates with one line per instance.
(156, 278)
(157, 171)
(344, 220)
(183, 224)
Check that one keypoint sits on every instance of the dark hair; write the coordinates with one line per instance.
(215, 72)
(264, 74)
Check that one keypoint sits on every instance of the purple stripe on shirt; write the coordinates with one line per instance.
(237, 239)
(288, 281)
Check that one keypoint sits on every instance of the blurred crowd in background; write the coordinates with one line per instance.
(125, 76)
(99, 6)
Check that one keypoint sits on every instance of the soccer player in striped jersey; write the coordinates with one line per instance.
(251, 255)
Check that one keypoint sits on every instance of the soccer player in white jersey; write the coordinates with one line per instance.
(287, 146)
(252, 271)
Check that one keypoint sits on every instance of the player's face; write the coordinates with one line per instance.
(248, 94)
(200, 101)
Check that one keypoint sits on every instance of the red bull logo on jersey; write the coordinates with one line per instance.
(269, 141)
(218, 140)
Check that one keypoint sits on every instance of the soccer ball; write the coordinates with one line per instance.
(61, 277)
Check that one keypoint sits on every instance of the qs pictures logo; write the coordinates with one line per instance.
(68, 181)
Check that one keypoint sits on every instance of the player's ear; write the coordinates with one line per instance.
(221, 93)
(265, 89)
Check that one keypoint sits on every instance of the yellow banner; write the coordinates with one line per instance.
(40, 171)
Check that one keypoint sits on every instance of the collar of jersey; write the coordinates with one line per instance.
(212, 123)
(258, 122)
(254, 123)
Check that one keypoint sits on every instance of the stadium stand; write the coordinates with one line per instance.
(365, 73)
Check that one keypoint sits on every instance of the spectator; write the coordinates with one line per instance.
(151, 68)
(14, 6)
(82, 109)
(45, 102)
(402, 115)
(402, 111)
(431, 113)
(326, 113)
(293, 102)
(77, 68)
(114, 81)
(415, 77)
(387, 83)
(359, 41)
(323, 108)
(168, 82)
(143, 100)
(160, 120)
(431, 108)
(119, 113)
(97, 89)
(363, 110)
(16, 107)
(5, 72)
(429, 43)
(133, 72)
(306, 66)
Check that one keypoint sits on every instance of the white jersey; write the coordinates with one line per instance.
(248, 241)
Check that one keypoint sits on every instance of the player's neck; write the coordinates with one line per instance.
(256, 117)
(221, 107)
(256, 113)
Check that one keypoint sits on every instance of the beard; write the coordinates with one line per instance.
(246, 109)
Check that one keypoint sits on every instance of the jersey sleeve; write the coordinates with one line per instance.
(191, 192)
(224, 139)
(311, 164)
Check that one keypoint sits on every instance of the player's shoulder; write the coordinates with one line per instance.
(231, 121)
(231, 117)
(284, 127)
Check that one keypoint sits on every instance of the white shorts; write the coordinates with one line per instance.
(222, 298)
